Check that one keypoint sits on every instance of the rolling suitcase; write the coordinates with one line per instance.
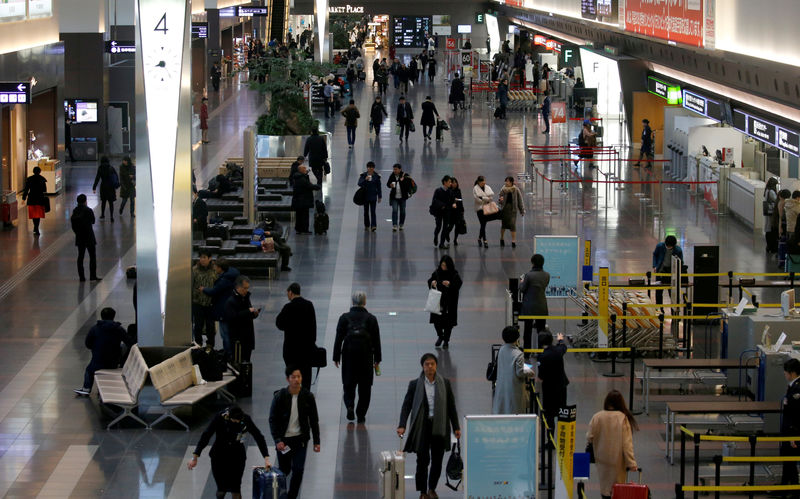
(269, 484)
(362, 76)
(243, 386)
(630, 490)
(392, 469)
(321, 219)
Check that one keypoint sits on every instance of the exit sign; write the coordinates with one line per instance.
(479, 17)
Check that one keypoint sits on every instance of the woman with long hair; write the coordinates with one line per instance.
(457, 215)
(483, 195)
(510, 204)
(445, 279)
(611, 435)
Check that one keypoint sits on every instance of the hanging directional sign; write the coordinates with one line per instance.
(120, 47)
(15, 92)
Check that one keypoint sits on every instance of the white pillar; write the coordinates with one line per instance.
(321, 45)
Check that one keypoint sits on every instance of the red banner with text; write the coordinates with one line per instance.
(680, 21)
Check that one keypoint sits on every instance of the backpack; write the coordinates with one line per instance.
(257, 236)
(412, 189)
(113, 178)
(357, 341)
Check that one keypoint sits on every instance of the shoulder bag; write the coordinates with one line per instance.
(490, 208)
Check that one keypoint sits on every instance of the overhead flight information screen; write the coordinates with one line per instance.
(410, 31)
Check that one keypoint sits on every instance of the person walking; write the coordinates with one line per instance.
(293, 419)
(204, 119)
(216, 74)
(109, 182)
(302, 199)
(400, 189)
(534, 299)
(429, 117)
(239, 314)
(551, 374)
(35, 193)
(370, 181)
(82, 219)
(457, 93)
(203, 276)
(790, 420)
(511, 203)
(430, 407)
(405, 117)
(771, 225)
(298, 321)
(611, 435)
(358, 347)
(546, 112)
(104, 340)
(228, 453)
(662, 262)
(382, 77)
(376, 115)
(587, 141)
(510, 392)
(329, 95)
(127, 185)
(219, 293)
(199, 215)
(316, 150)
(441, 208)
(646, 149)
(403, 74)
(431, 68)
(457, 215)
(446, 280)
(351, 116)
(484, 197)
(502, 96)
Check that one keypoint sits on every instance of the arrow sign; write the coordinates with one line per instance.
(113, 43)
(21, 87)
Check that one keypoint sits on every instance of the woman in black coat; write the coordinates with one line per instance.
(445, 279)
(457, 215)
(431, 68)
(457, 93)
(429, 117)
(127, 185)
(108, 188)
(376, 115)
(35, 192)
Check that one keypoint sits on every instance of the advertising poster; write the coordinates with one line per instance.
(561, 260)
(12, 10)
(501, 457)
(565, 433)
(676, 20)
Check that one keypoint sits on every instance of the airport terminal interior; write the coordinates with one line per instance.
(619, 123)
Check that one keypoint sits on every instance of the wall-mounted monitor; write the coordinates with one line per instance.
(199, 30)
(81, 110)
(465, 28)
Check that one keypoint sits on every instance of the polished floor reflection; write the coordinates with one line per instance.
(55, 445)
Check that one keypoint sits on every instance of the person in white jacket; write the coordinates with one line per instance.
(484, 196)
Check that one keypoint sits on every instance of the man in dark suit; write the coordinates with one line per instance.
(302, 198)
(82, 220)
(239, 314)
(358, 346)
(316, 150)
(551, 374)
(790, 421)
(442, 206)
(431, 405)
(534, 300)
(405, 117)
(298, 321)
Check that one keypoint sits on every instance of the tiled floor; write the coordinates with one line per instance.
(54, 444)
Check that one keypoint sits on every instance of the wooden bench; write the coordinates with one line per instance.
(121, 387)
(174, 381)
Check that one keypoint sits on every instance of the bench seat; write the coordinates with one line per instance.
(121, 387)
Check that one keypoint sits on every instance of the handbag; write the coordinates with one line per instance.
(434, 303)
(46, 204)
(360, 196)
(455, 467)
(766, 207)
(319, 359)
(411, 127)
(590, 451)
(461, 227)
(397, 130)
(490, 208)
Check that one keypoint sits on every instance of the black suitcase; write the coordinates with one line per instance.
(497, 113)
(218, 230)
(321, 222)
(243, 386)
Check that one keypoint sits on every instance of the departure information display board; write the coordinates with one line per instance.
(411, 31)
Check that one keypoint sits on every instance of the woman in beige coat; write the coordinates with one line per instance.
(510, 204)
(610, 432)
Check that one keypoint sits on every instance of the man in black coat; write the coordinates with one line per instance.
(104, 341)
(358, 346)
(551, 374)
(790, 420)
(298, 321)
(82, 219)
(405, 117)
(316, 150)
(441, 207)
(239, 314)
(199, 214)
(302, 198)
(219, 293)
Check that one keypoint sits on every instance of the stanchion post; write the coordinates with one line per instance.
(632, 381)
(717, 466)
(730, 285)
(752, 481)
(696, 462)
(649, 275)
(613, 373)
(543, 455)
(683, 457)
(625, 324)
(688, 331)
(550, 485)
(661, 335)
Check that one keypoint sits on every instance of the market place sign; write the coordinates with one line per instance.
(347, 9)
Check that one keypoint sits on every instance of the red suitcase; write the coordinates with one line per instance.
(631, 490)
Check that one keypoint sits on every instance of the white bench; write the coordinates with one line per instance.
(121, 387)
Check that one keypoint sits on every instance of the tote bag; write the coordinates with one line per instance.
(490, 208)
(433, 305)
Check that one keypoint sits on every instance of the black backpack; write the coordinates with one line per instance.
(357, 341)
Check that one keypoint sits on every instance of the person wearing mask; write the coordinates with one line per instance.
(316, 150)
(302, 199)
(790, 420)
(662, 262)
(511, 203)
(430, 407)
(109, 181)
(502, 96)
(431, 67)
(534, 300)
(35, 193)
(441, 208)
(329, 95)
(351, 116)
(400, 185)
(510, 392)
(376, 115)
(104, 341)
(371, 182)
(405, 117)
(646, 149)
(239, 314)
(457, 216)
(429, 117)
(127, 185)
(82, 219)
(358, 348)
(446, 280)
(546, 112)
(551, 374)
(457, 93)
(611, 435)
(483, 195)
(219, 293)
(771, 228)
(203, 276)
(293, 419)
(298, 321)
(204, 119)
(228, 453)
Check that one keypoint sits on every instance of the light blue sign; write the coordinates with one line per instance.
(561, 261)
(501, 457)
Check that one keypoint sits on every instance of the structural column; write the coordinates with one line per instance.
(321, 45)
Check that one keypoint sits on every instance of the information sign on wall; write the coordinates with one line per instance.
(40, 8)
(199, 30)
(253, 11)
(409, 31)
(769, 133)
(561, 261)
(451, 44)
(679, 21)
(15, 92)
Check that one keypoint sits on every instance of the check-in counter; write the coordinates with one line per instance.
(744, 198)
